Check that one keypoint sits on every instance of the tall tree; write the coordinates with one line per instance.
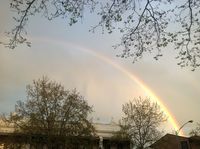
(51, 111)
(141, 122)
(145, 25)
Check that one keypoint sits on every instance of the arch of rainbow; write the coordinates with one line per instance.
(131, 76)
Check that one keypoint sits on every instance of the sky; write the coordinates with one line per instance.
(86, 61)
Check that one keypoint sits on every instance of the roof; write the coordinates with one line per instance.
(102, 129)
(106, 130)
(169, 139)
(5, 128)
(195, 139)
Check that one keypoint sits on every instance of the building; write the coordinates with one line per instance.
(170, 141)
(194, 142)
(103, 140)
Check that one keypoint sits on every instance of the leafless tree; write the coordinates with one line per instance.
(145, 25)
(50, 9)
(141, 122)
(152, 25)
(51, 111)
(196, 131)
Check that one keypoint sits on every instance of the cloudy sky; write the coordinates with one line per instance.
(79, 59)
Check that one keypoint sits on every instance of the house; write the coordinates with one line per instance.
(103, 140)
(194, 142)
(170, 141)
(105, 132)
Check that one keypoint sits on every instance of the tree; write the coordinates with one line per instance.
(141, 122)
(50, 9)
(145, 25)
(52, 112)
(196, 131)
(152, 25)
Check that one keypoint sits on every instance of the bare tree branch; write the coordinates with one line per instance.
(146, 26)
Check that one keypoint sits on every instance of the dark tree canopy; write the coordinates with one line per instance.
(141, 122)
(145, 25)
(50, 110)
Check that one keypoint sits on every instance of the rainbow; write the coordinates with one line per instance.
(131, 76)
